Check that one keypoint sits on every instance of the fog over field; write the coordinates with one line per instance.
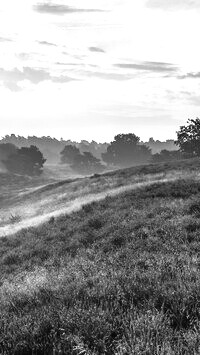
(31, 206)
(38, 205)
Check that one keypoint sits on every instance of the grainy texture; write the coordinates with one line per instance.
(120, 276)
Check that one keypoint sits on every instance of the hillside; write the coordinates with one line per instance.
(118, 274)
(28, 202)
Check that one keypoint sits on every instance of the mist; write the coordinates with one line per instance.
(40, 204)
(52, 158)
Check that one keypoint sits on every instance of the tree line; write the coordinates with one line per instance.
(51, 147)
(124, 151)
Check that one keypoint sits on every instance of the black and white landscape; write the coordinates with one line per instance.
(99, 177)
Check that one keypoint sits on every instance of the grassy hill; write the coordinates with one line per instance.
(117, 276)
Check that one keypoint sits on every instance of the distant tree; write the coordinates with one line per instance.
(188, 137)
(167, 155)
(84, 163)
(7, 149)
(25, 161)
(93, 147)
(69, 154)
(126, 151)
(51, 147)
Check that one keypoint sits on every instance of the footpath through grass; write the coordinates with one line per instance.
(120, 276)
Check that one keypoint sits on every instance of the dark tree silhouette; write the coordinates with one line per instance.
(7, 149)
(69, 154)
(84, 163)
(188, 137)
(87, 164)
(25, 161)
(126, 151)
(51, 147)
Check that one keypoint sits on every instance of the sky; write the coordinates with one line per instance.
(90, 69)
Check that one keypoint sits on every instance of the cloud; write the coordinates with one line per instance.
(190, 76)
(11, 75)
(12, 86)
(148, 66)
(129, 70)
(173, 4)
(45, 43)
(12, 78)
(5, 39)
(96, 49)
(106, 76)
(35, 75)
(67, 64)
(23, 56)
(56, 9)
(61, 79)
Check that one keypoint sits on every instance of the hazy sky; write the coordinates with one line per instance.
(89, 69)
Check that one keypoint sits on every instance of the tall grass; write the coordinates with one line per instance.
(120, 276)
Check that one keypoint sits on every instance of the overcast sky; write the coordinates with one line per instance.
(89, 69)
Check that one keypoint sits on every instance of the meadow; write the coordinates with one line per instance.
(118, 275)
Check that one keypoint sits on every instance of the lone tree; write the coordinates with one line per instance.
(188, 138)
(84, 163)
(25, 161)
(126, 151)
(69, 154)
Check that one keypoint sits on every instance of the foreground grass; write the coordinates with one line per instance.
(121, 276)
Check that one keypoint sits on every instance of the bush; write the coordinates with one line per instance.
(82, 163)
(25, 161)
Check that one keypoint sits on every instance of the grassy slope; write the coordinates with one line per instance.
(120, 276)
(28, 199)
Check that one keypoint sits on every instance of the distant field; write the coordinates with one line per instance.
(117, 276)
